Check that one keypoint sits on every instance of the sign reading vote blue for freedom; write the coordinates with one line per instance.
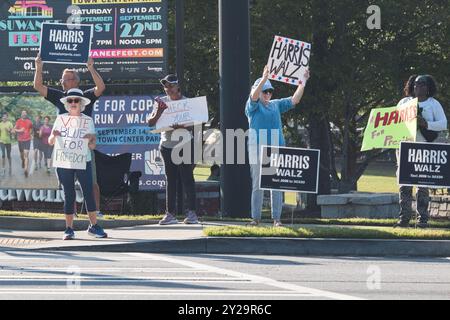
(424, 165)
(65, 43)
(289, 169)
(288, 60)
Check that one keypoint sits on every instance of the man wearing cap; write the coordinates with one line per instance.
(185, 171)
(431, 120)
(70, 79)
(266, 128)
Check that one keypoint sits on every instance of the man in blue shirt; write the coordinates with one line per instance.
(266, 128)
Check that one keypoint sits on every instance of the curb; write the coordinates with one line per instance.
(278, 246)
(43, 224)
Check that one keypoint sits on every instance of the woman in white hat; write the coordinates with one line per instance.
(80, 126)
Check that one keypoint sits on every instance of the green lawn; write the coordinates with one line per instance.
(379, 177)
(328, 232)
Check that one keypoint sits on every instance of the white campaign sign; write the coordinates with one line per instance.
(183, 112)
(71, 148)
(288, 60)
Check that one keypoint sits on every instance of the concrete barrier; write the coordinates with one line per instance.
(359, 205)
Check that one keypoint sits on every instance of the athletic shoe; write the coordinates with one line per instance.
(69, 234)
(99, 214)
(191, 218)
(26, 173)
(422, 225)
(401, 224)
(96, 231)
(168, 219)
(253, 223)
(277, 223)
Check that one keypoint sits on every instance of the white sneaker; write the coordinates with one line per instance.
(191, 218)
(168, 219)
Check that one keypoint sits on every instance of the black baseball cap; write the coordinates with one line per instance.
(170, 78)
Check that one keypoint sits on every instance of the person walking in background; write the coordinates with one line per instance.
(264, 117)
(47, 149)
(6, 129)
(23, 129)
(184, 170)
(75, 103)
(37, 148)
(430, 120)
(70, 79)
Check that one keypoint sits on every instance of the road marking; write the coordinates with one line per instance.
(84, 270)
(190, 294)
(253, 278)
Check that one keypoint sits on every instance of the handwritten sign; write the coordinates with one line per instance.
(71, 149)
(288, 60)
(183, 112)
(388, 127)
(65, 43)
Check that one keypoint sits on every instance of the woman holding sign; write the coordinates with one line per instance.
(71, 132)
(264, 117)
(431, 120)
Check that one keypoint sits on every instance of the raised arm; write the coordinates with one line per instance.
(300, 90)
(99, 84)
(38, 81)
(256, 92)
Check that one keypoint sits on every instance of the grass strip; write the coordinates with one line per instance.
(328, 232)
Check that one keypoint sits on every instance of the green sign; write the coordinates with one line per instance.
(387, 127)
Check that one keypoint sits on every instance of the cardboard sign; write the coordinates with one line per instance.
(71, 149)
(184, 112)
(387, 127)
(65, 43)
(288, 60)
(424, 165)
(289, 169)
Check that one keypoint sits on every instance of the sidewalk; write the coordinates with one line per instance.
(185, 239)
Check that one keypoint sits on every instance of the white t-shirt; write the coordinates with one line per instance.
(433, 113)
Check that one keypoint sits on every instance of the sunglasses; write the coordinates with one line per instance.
(270, 91)
(76, 100)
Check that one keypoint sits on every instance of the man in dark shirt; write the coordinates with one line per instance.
(71, 80)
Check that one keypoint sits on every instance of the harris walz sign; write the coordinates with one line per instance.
(289, 169)
(424, 165)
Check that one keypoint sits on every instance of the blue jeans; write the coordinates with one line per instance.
(67, 179)
(276, 197)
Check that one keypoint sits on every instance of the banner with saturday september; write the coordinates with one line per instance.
(387, 127)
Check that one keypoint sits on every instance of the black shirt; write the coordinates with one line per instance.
(54, 96)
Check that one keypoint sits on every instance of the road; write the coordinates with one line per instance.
(88, 275)
(37, 178)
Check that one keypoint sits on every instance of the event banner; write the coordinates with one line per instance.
(387, 127)
(129, 36)
(288, 60)
(424, 165)
(289, 169)
(121, 124)
(183, 112)
(71, 148)
(65, 43)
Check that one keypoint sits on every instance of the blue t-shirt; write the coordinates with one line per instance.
(268, 118)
